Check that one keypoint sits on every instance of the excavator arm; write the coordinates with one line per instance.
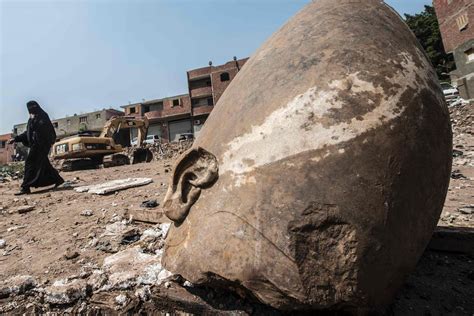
(116, 123)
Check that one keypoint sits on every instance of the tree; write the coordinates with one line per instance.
(426, 28)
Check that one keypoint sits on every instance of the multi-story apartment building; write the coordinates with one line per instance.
(168, 117)
(456, 22)
(72, 125)
(171, 117)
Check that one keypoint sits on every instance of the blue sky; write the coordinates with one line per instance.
(77, 56)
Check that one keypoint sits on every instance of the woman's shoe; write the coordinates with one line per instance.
(23, 191)
(61, 181)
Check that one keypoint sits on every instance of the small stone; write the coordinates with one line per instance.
(167, 285)
(25, 209)
(71, 254)
(3, 243)
(87, 213)
(121, 300)
(143, 293)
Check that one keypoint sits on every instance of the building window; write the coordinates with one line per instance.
(176, 102)
(470, 55)
(83, 119)
(55, 124)
(133, 110)
(146, 109)
(68, 122)
(3, 144)
(210, 101)
(15, 131)
(225, 76)
(463, 22)
(97, 116)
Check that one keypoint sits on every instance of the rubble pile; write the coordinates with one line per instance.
(462, 118)
(12, 171)
(134, 266)
(164, 151)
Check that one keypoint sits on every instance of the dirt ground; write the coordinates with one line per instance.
(65, 232)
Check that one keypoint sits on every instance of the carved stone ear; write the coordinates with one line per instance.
(196, 169)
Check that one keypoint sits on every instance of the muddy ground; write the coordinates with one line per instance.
(57, 252)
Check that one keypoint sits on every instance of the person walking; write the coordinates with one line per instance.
(39, 137)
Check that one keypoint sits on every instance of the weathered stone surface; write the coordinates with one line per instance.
(66, 292)
(16, 285)
(325, 184)
(132, 267)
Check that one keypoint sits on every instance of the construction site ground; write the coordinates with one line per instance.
(59, 235)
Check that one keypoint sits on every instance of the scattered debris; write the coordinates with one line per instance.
(132, 267)
(66, 292)
(25, 209)
(16, 285)
(457, 153)
(114, 186)
(71, 254)
(467, 210)
(149, 204)
(87, 213)
(456, 174)
(121, 300)
(13, 228)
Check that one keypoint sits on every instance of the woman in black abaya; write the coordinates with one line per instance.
(39, 137)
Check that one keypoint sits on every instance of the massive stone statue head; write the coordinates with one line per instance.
(320, 175)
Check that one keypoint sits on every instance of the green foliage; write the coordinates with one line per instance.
(426, 28)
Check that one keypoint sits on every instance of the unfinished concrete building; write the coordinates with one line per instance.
(456, 18)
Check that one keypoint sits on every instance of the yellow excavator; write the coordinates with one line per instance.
(87, 151)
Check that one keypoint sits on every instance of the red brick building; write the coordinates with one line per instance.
(456, 22)
(171, 117)
(6, 150)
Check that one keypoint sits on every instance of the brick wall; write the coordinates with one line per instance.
(6, 150)
(449, 13)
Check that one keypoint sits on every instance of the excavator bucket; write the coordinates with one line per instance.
(142, 155)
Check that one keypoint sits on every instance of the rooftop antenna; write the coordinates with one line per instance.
(236, 63)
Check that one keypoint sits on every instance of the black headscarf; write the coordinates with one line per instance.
(40, 129)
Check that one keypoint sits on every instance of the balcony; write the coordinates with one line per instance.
(198, 73)
(201, 92)
(204, 109)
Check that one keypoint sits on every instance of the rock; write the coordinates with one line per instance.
(87, 213)
(131, 267)
(467, 210)
(25, 209)
(3, 243)
(66, 292)
(121, 300)
(16, 285)
(13, 228)
(323, 187)
(71, 254)
(149, 204)
(143, 293)
(97, 280)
